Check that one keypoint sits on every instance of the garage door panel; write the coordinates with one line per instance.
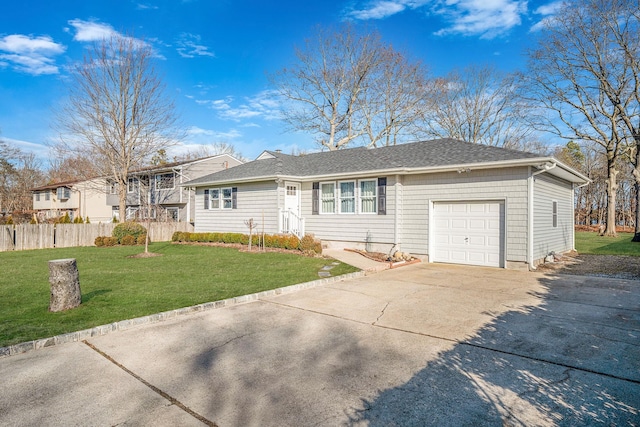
(469, 233)
(477, 241)
(478, 224)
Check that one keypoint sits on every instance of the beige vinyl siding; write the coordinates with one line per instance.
(546, 238)
(508, 184)
(351, 227)
(253, 200)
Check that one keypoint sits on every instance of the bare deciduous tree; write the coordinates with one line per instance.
(579, 77)
(117, 113)
(395, 99)
(347, 86)
(477, 104)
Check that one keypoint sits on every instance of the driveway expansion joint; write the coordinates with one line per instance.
(172, 400)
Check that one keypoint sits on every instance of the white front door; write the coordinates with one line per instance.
(292, 197)
(468, 233)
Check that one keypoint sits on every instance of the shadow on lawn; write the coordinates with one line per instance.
(90, 295)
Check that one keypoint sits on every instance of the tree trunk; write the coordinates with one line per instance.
(636, 175)
(65, 285)
(612, 187)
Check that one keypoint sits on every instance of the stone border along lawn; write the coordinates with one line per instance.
(167, 315)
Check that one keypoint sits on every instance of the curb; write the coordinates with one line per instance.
(124, 325)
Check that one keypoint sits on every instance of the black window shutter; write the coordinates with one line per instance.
(206, 199)
(234, 198)
(382, 196)
(315, 198)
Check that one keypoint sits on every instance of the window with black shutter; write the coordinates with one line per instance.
(382, 196)
(315, 198)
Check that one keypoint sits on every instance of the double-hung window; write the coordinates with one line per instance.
(165, 181)
(214, 193)
(221, 198)
(132, 183)
(328, 197)
(63, 193)
(227, 195)
(37, 196)
(347, 197)
(368, 196)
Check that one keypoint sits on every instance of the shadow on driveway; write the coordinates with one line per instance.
(572, 360)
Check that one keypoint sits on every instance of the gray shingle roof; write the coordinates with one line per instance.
(416, 155)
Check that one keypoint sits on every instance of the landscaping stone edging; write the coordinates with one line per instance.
(123, 325)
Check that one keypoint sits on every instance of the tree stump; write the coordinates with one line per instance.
(65, 284)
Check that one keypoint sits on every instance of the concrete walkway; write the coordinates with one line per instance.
(421, 345)
(356, 260)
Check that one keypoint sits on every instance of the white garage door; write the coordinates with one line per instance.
(469, 233)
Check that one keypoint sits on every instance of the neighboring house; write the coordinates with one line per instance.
(444, 200)
(152, 190)
(76, 198)
(157, 190)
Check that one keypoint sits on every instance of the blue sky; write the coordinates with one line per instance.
(214, 55)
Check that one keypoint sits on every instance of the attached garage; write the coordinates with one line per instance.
(469, 232)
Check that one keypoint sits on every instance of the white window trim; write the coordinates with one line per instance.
(220, 198)
(132, 184)
(335, 199)
(173, 181)
(375, 198)
(340, 198)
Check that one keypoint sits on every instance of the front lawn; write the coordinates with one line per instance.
(594, 244)
(115, 287)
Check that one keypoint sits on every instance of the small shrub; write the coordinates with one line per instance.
(128, 240)
(66, 219)
(309, 244)
(128, 228)
(99, 241)
(33, 220)
(114, 220)
(78, 220)
(110, 241)
(291, 242)
(86, 221)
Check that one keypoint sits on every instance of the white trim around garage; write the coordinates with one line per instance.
(473, 233)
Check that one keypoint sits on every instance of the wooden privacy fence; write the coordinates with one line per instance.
(42, 236)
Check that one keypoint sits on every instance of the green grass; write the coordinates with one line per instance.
(115, 287)
(594, 244)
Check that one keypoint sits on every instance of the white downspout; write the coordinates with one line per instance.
(543, 168)
(397, 213)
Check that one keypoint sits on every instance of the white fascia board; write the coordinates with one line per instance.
(569, 174)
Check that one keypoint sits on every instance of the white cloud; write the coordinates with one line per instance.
(195, 131)
(264, 105)
(90, 31)
(31, 55)
(189, 46)
(484, 18)
(378, 10)
(548, 13)
(40, 150)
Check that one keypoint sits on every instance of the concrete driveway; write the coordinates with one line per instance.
(420, 345)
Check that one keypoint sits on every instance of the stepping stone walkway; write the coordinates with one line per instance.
(326, 270)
